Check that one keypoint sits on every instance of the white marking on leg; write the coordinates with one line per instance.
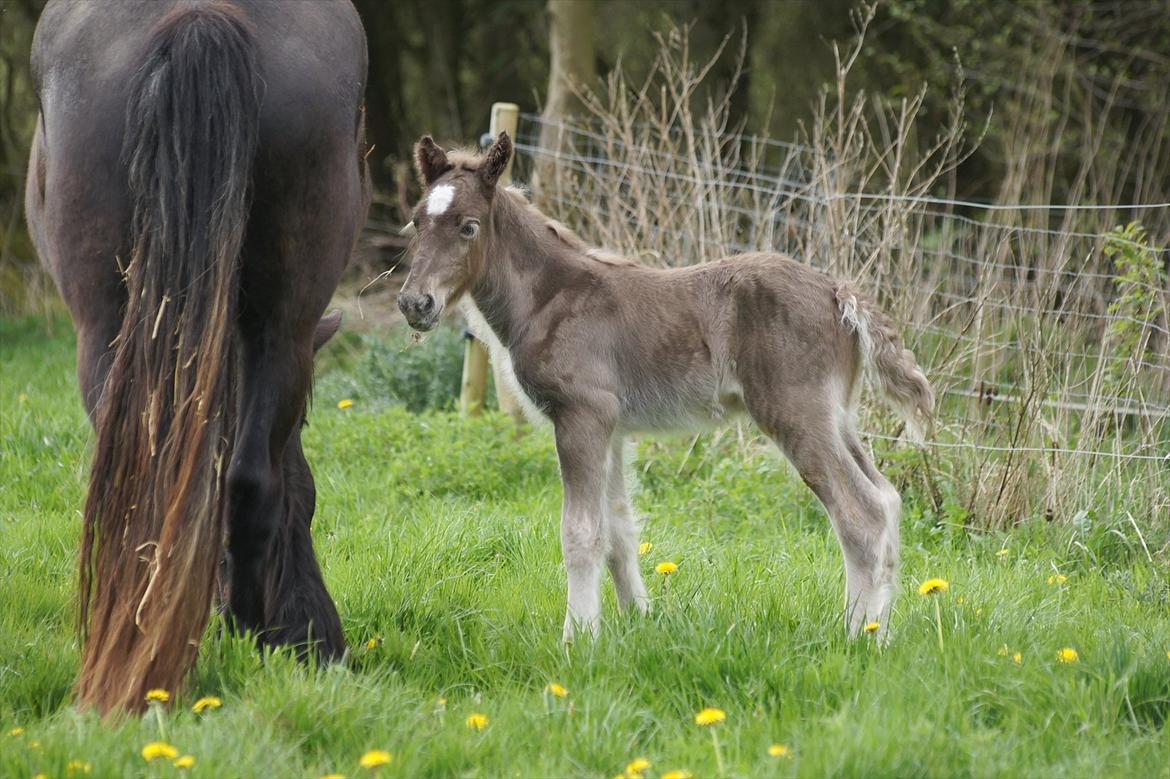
(440, 199)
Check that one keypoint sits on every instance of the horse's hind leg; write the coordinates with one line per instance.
(863, 514)
(622, 531)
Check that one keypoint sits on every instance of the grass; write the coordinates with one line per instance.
(439, 540)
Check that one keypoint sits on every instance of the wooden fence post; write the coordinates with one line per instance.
(475, 357)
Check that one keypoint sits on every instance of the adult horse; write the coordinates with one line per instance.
(195, 188)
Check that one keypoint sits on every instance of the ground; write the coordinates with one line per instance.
(438, 537)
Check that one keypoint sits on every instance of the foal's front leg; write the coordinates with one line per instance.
(583, 447)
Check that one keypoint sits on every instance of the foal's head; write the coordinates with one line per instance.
(449, 223)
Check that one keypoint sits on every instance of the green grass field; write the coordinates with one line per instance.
(439, 540)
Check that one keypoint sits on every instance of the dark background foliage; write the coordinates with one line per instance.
(1057, 69)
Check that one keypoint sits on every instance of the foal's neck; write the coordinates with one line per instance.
(521, 256)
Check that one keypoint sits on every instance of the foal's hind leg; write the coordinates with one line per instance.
(862, 513)
(622, 530)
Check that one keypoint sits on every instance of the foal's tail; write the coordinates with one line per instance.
(892, 368)
(153, 527)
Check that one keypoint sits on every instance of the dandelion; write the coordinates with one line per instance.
(677, 773)
(157, 749)
(375, 758)
(333, 776)
(1057, 579)
(442, 703)
(205, 703)
(1017, 657)
(666, 568)
(1067, 655)
(344, 403)
(872, 627)
(77, 766)
(779, 750)
(553, 688)
(186, 761)
(636, 766)
(930, 587)
(157, 696)
(644, 547)
(477, 722)
(374, 643)
(18, 731)
(710, 716)
(34, 744)
(1002, 552)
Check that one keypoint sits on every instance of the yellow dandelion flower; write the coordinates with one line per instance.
(644, 547)
(333, 776)
(477, 721)
(1002, 553)
(1057, 578)
(710, 716)
(186, 761)
(157, 749)
(40, 776)
(374, 643)
(636, 766)
(375, 758)
(74, 767)
(161, 696)
(678, 773)
(666, 568)
(779, 750)
(1017, 657)
(18, 731)
(442, 702)
(1067, 655)
(931, 586)
(344, 403)
(34, 744)
(872, 627)
(205, 703)
(555, 689)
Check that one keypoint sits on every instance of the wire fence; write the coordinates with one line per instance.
(1039, 340)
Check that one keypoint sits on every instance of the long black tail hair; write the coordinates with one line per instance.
(153, 525)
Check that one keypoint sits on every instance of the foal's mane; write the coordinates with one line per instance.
(519, 198)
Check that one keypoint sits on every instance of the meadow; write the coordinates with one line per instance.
(1049, 653)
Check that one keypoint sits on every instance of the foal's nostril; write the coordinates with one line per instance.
(426, 305)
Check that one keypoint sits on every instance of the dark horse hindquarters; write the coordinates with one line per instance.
(213, 152)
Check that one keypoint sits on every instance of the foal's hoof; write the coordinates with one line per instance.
(589, 628)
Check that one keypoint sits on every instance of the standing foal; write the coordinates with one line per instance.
(603, 347)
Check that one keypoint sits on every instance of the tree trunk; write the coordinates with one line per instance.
(572, 65)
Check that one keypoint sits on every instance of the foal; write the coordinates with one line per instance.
(603, 347)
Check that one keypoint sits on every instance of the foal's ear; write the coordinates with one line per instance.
(429, 160)
(496, 161)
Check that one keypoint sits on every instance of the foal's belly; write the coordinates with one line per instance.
(700, 406)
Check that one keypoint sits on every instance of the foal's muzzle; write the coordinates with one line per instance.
(421, 310)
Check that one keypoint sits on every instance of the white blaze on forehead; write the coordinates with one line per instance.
(440, 199)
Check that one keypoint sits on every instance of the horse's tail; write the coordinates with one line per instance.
(153, 525)
(892, 368)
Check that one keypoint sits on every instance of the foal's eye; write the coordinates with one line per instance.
(469, 230)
